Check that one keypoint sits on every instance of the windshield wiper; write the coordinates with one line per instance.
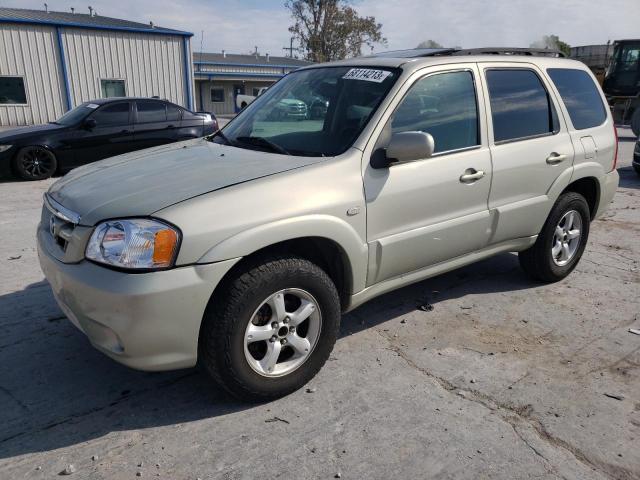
(263, 142)
(221, 135)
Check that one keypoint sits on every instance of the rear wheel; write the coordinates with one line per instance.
(35, 163)
(561, 242)
(271, 329)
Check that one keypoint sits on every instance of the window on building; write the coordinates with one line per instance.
(443, 105)
(217, 95)
(12, 91)
(112, 88)
(112, 114)
(520, 105)
(580, 96)
(151, 111)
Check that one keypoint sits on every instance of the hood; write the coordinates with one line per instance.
(143, 182)
(17, 133)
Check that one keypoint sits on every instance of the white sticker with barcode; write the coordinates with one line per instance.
(367, 74)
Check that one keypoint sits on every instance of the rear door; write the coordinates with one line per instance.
(151, 127)
(112, 134)
(530, 147)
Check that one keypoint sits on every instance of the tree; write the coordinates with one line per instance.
(429, 44)
(554, 42)
(332, 29)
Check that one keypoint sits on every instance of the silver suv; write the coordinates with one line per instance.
(241, 250)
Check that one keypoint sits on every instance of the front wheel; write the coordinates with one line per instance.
(561, 242)
(35, 163)
(271, 328)
(635, 122)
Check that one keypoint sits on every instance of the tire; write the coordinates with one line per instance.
(541, 262)
(243, 105)
(35, 163)
(236, 364)
(635, 122)
(637, 169)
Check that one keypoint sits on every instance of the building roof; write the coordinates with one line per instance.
(81, 20)
(235, 59)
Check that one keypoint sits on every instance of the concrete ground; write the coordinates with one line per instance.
(505, 378)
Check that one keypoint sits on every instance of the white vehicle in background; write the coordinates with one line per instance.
(243, 100)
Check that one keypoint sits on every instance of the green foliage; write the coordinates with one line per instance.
(429, 44)
(553, 42)
(331, 29)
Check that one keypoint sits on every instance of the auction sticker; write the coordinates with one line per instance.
(367, 74)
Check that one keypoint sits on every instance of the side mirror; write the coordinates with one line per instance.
(404, 147)
(89, 124)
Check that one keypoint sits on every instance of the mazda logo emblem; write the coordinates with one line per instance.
(52, 226)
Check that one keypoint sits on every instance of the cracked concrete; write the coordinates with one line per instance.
(504, 379)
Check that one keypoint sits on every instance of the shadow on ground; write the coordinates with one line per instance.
(56, 390)
(629, 178)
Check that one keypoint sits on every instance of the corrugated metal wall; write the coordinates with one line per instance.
(149, 64)
(31, 51)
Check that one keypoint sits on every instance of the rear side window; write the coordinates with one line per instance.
(443, 105)
(150, 111)
(580, 96)
(520, 105)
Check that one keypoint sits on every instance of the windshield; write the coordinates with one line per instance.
(75, 115)
(315, 112)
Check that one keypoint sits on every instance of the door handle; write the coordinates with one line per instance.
(556, 158)
(124, 131)
(471, 175)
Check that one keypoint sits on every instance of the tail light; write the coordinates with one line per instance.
(615, 152)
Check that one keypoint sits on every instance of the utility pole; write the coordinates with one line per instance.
(290, 48)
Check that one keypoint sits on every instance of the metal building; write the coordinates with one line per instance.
(53, 61)
(219, 77)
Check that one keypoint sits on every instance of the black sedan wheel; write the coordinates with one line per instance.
(35, 163)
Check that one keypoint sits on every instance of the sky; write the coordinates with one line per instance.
(238, 26)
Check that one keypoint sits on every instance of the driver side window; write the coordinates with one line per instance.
(443, 105)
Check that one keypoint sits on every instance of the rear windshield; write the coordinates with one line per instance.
(580, 96)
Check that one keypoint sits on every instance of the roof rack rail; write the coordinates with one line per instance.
(539, 52)
(438, 52)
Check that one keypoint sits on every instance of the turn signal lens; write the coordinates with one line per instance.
(165, 245)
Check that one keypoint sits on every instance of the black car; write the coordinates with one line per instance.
(96, 130)
(636, 157)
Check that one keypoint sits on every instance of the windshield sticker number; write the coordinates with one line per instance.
(367, 75)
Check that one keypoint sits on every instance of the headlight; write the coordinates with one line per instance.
(134, 244)
(4, 148)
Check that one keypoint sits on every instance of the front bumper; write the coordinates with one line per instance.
(147, 321)
(5, 164)
(608, 187)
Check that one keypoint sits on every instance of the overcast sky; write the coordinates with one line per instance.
(239, 25)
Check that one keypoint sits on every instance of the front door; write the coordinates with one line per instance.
(111, 135)
(425, 212)
(530, 147)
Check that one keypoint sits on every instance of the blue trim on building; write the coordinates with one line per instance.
(63, 66)
(154, 31)
(187, 73)
(260, 65)
(209, 76)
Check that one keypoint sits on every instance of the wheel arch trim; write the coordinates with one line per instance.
(328, 227)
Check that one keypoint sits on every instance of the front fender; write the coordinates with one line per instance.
(323, 226)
